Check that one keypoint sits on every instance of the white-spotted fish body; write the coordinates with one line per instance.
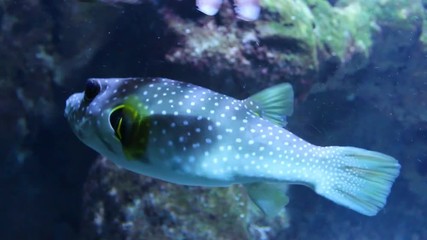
(186, 134)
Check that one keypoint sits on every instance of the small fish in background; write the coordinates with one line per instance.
(247, 10)
(186, 134)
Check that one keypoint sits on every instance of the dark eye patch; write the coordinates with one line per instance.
(116, 121)
(131, 129)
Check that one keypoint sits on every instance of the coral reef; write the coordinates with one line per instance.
(254, 55)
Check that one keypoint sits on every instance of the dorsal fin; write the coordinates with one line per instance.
(273, 103)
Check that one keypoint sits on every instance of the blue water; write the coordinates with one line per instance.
(49, 48)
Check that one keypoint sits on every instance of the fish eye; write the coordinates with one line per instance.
(92, 89)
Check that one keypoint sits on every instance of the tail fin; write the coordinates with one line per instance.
(359, 179)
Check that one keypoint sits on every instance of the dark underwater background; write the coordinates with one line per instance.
(358, 68)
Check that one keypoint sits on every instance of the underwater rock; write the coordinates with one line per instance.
(119, 204)
(275, 48)
(24, 79)
(36, 57)
(302, 42)
(26, 103)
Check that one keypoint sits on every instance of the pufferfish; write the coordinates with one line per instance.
(186, 134)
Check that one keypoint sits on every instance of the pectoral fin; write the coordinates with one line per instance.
(269, 197)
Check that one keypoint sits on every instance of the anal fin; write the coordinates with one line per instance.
(269, 197)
